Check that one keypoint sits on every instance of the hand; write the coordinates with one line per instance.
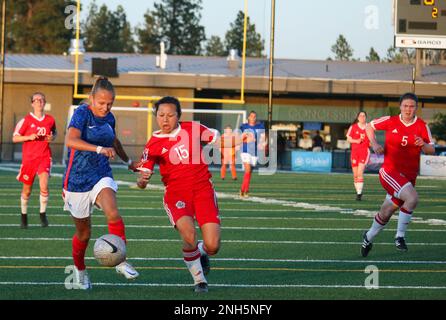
(108, 152)
(49, 137)
(144, 177)
(378, 148)
(33, 137)
(419, 142)
(133, 165)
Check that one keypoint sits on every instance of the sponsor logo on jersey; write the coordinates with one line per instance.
(164, 151)
(180, 205)
(91, 127)
(395, 131)
(33, 125)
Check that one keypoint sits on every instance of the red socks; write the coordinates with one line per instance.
(78, 252)
(117, 228)
(246, 182)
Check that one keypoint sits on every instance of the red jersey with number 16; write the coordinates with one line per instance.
(42, 127)
(400, 152)
(179, 155)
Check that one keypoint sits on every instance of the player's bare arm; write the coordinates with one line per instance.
(123, 155)
(73, 140)
(427, 148)
(18, 139)
(371, 135)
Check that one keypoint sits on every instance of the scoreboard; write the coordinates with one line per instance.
(420, 24)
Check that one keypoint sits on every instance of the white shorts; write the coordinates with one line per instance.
(248, 158)
(81, 204)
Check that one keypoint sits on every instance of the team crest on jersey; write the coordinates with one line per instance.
(180, 205)
(26, 177)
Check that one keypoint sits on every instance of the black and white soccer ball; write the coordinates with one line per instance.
(109, 250)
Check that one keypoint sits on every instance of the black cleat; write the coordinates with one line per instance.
(359, 197)
(400, 244)
(366, 245)
(205, 264)
(43, 220)
(201, 287)
(24, 222)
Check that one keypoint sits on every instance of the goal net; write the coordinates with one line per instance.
(134, 125)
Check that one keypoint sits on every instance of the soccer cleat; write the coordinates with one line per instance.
(201, 287)
(400, 244)
(366, 245)
(234, 178)
(24, 222)
(81, 279)
(43, 220)
(359, 197)
(205, 264)
(127, 270)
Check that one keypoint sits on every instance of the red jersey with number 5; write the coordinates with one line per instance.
(179, 154)
(43, 127)
(400, 152)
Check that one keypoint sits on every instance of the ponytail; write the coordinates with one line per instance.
(102, 83)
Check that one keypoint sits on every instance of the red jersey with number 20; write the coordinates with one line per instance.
(400, 152)
(179, 155)
(42, 127)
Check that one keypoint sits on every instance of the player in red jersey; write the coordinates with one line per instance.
(360, 152)
(189, 193)
(35, 131)
(406, 136)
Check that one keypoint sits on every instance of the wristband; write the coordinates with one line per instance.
(99, 149)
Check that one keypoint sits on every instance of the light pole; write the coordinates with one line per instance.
(271, 65)
(2, 75)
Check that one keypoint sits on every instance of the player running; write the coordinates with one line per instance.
(253, 137)
(360, 152)
(189, 193)
(35, 131)
(88, 179)
(406, 136)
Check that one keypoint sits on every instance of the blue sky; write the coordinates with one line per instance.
(304, 29)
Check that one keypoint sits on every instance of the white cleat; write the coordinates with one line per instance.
(127, 270)
(81, 280)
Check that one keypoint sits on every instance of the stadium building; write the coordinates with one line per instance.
(309, 95)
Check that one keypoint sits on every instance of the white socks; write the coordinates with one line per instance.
(404, 218)
(24, 205)
(43, 203)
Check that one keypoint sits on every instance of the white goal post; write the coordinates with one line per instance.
(237, 117)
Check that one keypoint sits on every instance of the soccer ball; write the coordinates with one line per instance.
(109, 250)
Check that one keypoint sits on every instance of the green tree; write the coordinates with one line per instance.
(234, 37)
(148, 35)
(438, 126)
(215, 47)
(342, 49)
(394, 55)
(106, 31)
(177, 22)
(373, 56)
(37, 26)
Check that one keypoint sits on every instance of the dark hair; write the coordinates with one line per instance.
(357, 115)
(102, 83)
(37, 94)
(169, 100)
(409, 95)
(252, 111)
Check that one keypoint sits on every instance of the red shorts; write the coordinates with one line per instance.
(29, 169)
(360, 156)
(200, 203)
(393, 182)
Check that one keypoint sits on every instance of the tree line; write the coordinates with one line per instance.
(39, 26)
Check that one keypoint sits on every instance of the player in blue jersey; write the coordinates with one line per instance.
(88, 179)
(253, 137)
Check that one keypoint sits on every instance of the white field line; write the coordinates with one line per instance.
(228, 285)
(323, 261)
(7, 225)
(285, 203)
(237, 241)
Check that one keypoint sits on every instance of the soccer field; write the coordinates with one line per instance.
(297, 236)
